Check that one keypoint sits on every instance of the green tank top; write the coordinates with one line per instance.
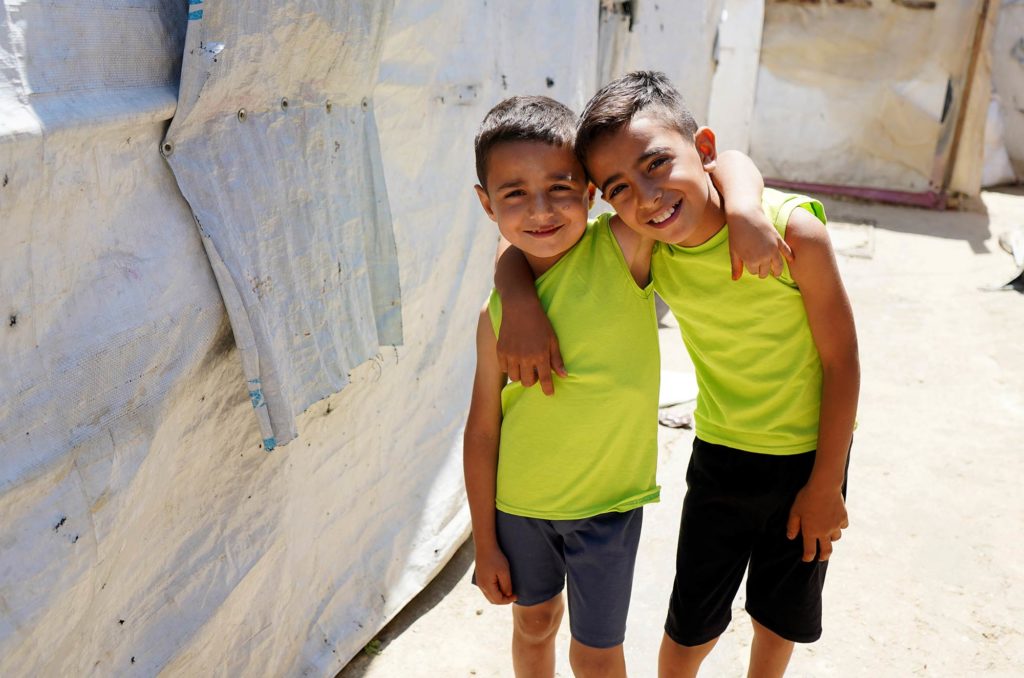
(758, 369)
(592, 447)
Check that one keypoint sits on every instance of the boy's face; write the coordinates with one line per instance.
(656, 179)
(537, 194)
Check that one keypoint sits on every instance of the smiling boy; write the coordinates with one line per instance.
(556, 485)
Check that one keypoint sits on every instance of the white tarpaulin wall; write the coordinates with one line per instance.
(868, 94)
(1008, 78)
(144, 528)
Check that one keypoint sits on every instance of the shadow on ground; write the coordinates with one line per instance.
(455, 571)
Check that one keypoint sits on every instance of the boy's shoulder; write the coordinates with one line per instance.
(779, 205)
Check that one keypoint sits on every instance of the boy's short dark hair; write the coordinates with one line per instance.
(523, 118)
(618, 102)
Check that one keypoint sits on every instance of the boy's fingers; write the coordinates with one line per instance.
(504, 588)
(786, 250)
(810, 549)
(792, 526)
(505, 583)
(513, 372)
(491, 592)
(737, 265)
(544, 376)
(556, 359)
(528, 375)
(776, 264)
(824, 549)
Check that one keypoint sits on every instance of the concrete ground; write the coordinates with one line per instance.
(929, 579)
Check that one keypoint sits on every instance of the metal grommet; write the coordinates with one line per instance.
(329, 105)
(284, 104)
(242, 115)
(365, 103)
(167, 149)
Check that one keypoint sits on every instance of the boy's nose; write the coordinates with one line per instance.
(650, 195)
(542, 206)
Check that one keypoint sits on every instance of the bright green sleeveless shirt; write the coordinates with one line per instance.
(758, 369)
(592, 447)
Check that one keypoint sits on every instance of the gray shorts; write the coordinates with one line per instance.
(595, 554)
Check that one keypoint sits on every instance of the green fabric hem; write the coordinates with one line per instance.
(758, 446)
(622, 507)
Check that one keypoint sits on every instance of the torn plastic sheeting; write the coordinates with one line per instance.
(274, 146)
(872, 90)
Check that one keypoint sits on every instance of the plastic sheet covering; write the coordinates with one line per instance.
(675, 37)
(274, 145)
(144, 530)
(861, 94)
(735, 79)
(1008, 77)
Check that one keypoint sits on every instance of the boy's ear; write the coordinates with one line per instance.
(591, 190)
(485, 202)
(704, 140)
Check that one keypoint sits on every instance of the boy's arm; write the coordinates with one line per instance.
(527, 347)
(753, 240)
(819, 511)
(480, 465)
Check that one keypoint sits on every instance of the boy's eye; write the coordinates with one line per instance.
(615, 190)
(516, 193)
(561, 187)
(658, 162)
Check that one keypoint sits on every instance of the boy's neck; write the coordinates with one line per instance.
(712, 220)
(540, 265)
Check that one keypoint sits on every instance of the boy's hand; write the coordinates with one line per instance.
(819, 514)
(755, 243)
(493, 577)
(527, 345)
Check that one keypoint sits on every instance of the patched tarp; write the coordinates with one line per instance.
(274, 146)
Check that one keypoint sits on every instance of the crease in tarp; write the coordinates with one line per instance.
(275, 147)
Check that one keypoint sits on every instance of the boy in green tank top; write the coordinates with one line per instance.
(777, 371)
(556, 485)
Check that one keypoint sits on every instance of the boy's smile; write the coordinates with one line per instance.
(658, 181)
(537, 194)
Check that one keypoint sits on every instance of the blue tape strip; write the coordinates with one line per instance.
(256, 397)
(195, 2)
(269, 444)
(196, 15)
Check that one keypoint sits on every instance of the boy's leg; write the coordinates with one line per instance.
(600, 555)
(537, 567)
(680, 661)
(533, 637)
(783, 592)
(716, 532)
(769, 653)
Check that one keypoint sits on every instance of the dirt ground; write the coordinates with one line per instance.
(929, 579)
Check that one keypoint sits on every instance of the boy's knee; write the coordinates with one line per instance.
(767, 636)
(592, 662)
(538, 623)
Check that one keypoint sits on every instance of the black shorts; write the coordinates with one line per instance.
(734, 515)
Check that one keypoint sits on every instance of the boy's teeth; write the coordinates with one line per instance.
(664, 215)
